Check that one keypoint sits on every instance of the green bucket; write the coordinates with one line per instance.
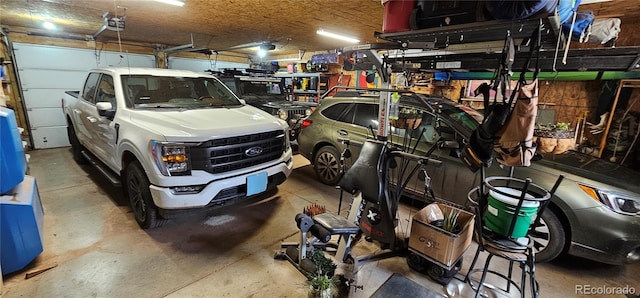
(501, 208)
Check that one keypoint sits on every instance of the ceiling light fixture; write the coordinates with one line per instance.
(267, 46)
(337, 36)
(287, 59)
(172, 2)
(49, 25)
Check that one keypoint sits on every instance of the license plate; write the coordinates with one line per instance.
(256, 183)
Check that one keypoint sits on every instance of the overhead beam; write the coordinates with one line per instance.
(602, 59)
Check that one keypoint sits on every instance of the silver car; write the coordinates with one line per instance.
(595, 213)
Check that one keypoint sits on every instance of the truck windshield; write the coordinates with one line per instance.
(147, 91)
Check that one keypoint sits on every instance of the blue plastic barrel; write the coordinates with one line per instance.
(13, 163)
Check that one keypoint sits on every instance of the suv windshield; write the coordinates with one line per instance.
(256, 88)
(259, 87)
(147, 91)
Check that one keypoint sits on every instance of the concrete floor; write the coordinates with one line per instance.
(95, 248)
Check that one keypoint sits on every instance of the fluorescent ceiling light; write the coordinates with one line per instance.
(287, 59)
(172, 2)
(337, 36)
(49, 25)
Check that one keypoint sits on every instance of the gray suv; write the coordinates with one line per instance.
(595, 213)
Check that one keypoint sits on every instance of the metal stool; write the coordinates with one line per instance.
(511, 242)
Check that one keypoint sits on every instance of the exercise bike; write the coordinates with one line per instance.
(372, 212)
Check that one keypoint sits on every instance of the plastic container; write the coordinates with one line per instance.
(501, 209)
(397, 14)
(21, 226)
(13, 163)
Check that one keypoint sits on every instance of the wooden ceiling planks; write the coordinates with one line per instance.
(220, 24)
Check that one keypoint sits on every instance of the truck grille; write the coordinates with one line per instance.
(229, 154)
(296, 114)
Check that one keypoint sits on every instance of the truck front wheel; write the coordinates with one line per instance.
(145, 211)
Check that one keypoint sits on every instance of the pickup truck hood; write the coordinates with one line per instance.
(193, 125)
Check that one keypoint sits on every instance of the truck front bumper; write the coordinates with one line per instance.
(219, 191)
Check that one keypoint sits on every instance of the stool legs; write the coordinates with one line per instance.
(473, 263)
(527, 268)
(523, 279)
(535, 290)
(510, 274)
(484, 275)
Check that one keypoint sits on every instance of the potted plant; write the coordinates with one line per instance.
(324, 265)
(450, 221)
(408, 118)
(322, 282)
(322, 286)
(554, 138)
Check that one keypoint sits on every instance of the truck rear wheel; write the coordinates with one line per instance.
(76, 147)
(144, 210)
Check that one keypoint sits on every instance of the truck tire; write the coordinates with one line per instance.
(327, 165)
(76, 147)
(144, 210)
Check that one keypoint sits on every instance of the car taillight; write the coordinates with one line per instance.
(305, 123)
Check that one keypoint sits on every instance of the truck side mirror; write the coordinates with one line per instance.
(105, 109)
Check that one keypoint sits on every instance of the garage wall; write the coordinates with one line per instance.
(46, 72)
(200, 65)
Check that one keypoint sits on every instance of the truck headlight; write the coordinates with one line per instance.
(171, 159)
(307, 112)
(282, 114)
(617, 202)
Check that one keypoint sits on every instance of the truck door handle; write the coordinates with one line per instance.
(92, 119)
(343, 132)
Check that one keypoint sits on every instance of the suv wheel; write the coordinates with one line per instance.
(327, 165)
(144, 210)
(548, 237)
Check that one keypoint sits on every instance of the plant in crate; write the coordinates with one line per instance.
(450, 221)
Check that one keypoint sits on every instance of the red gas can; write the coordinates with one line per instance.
(396, 15)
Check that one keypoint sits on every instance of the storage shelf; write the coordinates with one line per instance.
(298, 75)
(442, 37)
(305, 91)
(320, 78)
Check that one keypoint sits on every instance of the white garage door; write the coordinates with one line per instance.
(46, 72)
(199, 65)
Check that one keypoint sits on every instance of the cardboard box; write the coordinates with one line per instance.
(438, 244)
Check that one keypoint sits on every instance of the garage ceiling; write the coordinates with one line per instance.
(217, 25)
(223, 24)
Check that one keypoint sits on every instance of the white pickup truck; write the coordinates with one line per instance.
(175, 139)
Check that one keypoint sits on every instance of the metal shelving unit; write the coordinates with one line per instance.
(308, 93)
